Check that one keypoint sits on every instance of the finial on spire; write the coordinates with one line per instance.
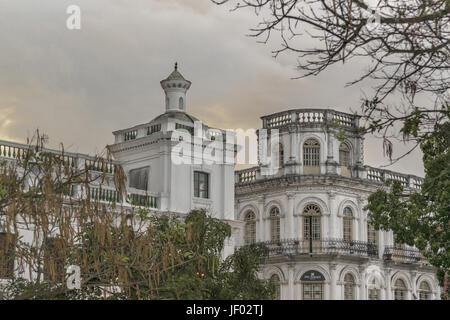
(176, 66)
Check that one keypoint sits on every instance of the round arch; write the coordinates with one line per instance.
(352, 205)
(270, 205)
(402, 276)
(428, 279)
(311, 200)
(246, 208)
(353, 271)
(317, 268)
(270, 271)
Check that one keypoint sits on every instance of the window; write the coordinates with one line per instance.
(139, 178)
(311, 157)
(154, 128)
(275, 224)
(344, 159)
(348, 224)
(374, 294)
(312, 228)
(349, 287)
(424, 291)
(201, 185)
(7, 255)
(275, 280)
(180, 103)
(185, 128)
(54, 255)
(312, 291)
(372, 238)
(280, 155)
(250, 228)
(374, 290)
(399, 290)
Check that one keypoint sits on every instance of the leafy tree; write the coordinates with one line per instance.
(206, 276)
(421, 219)
(124, 252)
(402, 46)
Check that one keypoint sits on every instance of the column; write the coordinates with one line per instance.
(381, 235)
(289, 230)
(261, 236)
(291, 283)
(413, 294)
(362, 283)
(387, 279)
(333, 281)
(359, 221)
(332, 216)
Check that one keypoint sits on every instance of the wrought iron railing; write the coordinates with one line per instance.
(293, 247)
(404, 254)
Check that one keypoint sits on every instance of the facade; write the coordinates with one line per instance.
(309, 212)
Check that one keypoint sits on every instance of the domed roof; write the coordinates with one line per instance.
(175, 115)
(176, 75)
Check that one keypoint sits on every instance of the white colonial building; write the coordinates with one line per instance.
(310, 212)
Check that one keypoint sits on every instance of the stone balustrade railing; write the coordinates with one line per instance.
(110, 195)
(374, 175)
(11, 151)
(247, 175)
(310, 117)
(17, 151)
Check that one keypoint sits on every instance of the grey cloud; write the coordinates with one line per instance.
(79, 86)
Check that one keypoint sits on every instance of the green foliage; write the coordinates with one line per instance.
(204, 275)
(185, 263)
(421, 219)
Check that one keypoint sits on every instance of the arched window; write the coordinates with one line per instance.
(181, 103)
(372, 239)
(348, 224)
(311, 157)
(275, 224)
(280, 155)
(399, 290)
(250, 228)
(374, 290)
(424, 291)
(349, 287)
(275, 280)
(344, 160)
(312, 285)
(312, 228)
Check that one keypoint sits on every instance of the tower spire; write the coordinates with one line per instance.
(175, 87)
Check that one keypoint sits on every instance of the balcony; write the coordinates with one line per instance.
(311, 118)
(330, 246)
(403, 254)
(12, 151)
(370, 174)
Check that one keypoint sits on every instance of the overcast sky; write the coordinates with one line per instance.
(80, 85)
